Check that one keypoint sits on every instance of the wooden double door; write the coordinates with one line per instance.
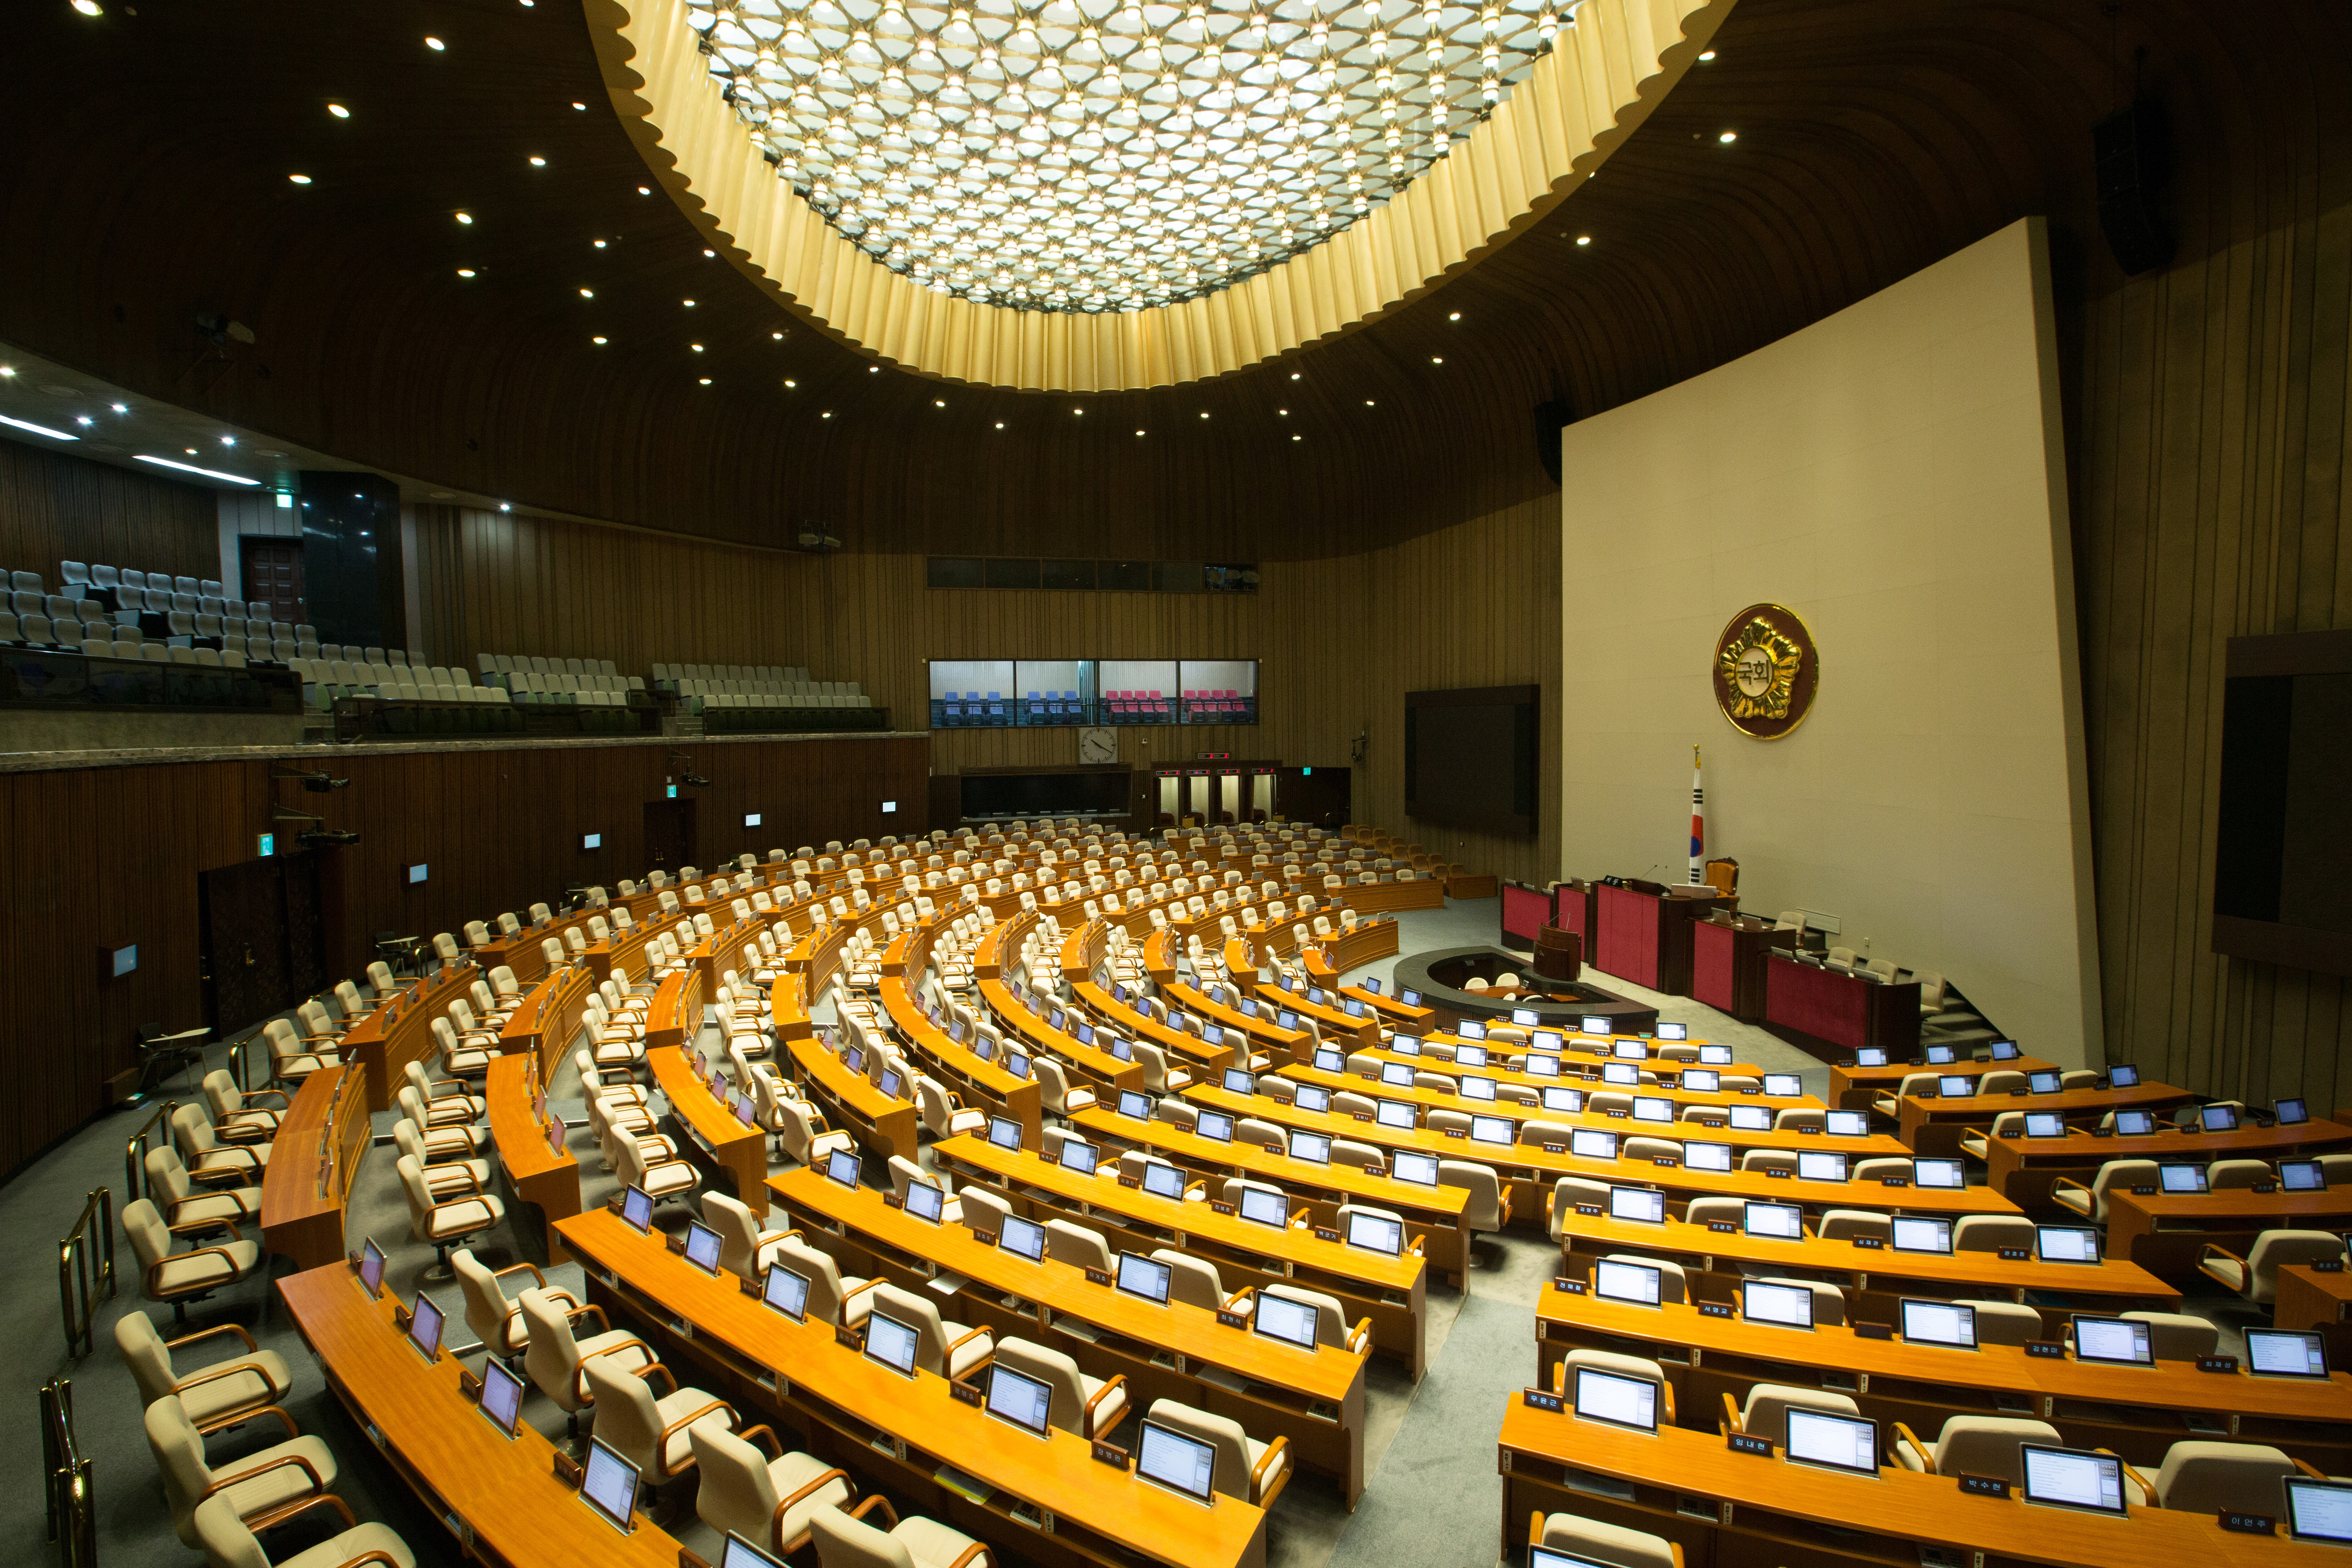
(264, 939)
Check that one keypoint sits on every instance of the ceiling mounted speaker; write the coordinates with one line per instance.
(2132, 155)
(1551, 418)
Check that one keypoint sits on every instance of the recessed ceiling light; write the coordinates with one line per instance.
(710, 253)
(537, 162)
(705, 380)
(506, 506)
(645, 190)
(1297, 437)
(1729, 136)
(999, 425)
(1436, 359)
(581, 107)
(789, 383)
(1204, 416)
(7, 370)
(827, 415)
(696, 347)
(339, 111)
(1294, 375)
(465, 217)
(874, 370)
(1584, 240)
(587, 293)
(436, 45)
(190, 450)
(84, 420)
(1078, 411)
(1368, 402)
(595, 339)
(1455, 317)
(228, 440)
(778, 336)
(86, 8)
(299, 179)
(120, 407)
(689, 304)
(1284, 412)
(464, 272)
(600, 244)
(1706, 54)
(939, 403)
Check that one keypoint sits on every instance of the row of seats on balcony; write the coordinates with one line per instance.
(768, 673)
(493, 665)
(696, 695)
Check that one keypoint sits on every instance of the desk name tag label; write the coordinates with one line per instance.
(1616, 1115)
(1669, 1161)
(1110, 1454)
(674, 1243)
(2048, 1350)
(1360, 1116)
(567, 1469)
(1097, 1275)
(1869, 1331)
(892, 1201)
(2247, 1523)
(1894, 1181)
(1554, 1148)
(2221, 1364)
(1803, 1131)
(1231, 1320)
(1323, 1234)
(1567, 1287)
(1715, 1309)
(2143, 1190)
(1593, 1210)
(841, 1336)
(1869, 1243)
(964, 1393)
(2326, 1266)
(1723, 1227)
(1984, 1486)
(1455, 1133)
(1748, 1443)
(2016, 1254)
(1218, 1205)
(1130, 1183)
(1775, 1172)
(2264, 1188)
(1543, 1399)
(985, 1238)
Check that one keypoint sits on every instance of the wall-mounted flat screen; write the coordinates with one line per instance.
(2283, 864)
(1471, 759)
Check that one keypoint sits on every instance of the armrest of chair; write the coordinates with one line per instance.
(683, 1422)
(284, 1103)
(1117, 1381)
(277, 1516)
(1360, 1338)
(2070, 1182)
(764, 1431)
(1274, 1451)
(591, 1309)
(251, 1412)
(858, 1290)
(953, 1345)
(2316, 1475)
(977, 1548)
(531, 1268)
(1503, 1196)
(223, 1482)
(1730, 1414)
(877, 1500)
(2146, 1487)
(2210, 1252)
(236, 1329)
(227, 1262)
(1927, 1456)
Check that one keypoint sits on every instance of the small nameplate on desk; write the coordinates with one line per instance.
(2015, 1254)
(1110, 1454)
(1540, 1399)
(1361, 1115)
(1724, 1226)
(892, 1201)
(1868, 1242)
(1862, 1331)
(1715, 1309)
(2247, 1523)
(1217, 1205)
(1130, 1183)
(750, 1286)
(985, 1238)
(1567, 1287)
(1097, 1275)
(1593, 1209)
(1455, 1133)
(1669, 1161)
(1894, 1181)
(1748, 1443)
(2142, 1190)
(469, 1386)
(964, 1394)
(1984, 1486)
(2102, 1131)
(2048, 1350)
(841, 1336)
(1807, 1130)
(2262, 1187)
(1231, 1320)
(2019, 1093)
(1554, 1148)
(1321, 1233)
(1847, 1062)
(1616, 1115)
(2326, 1266)
(567, 1469)
(2227, 1363)
(1775, 1172)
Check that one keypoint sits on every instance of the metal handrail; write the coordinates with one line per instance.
(238, 1071)
(135, 1151)
(83, 1282)
(72, 1503)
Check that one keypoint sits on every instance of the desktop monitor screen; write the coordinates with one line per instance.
(1952, 1324)
(1524, 1016)
(1402, 1114)
(1314, 994)
(1619, 1401)
(1375, 1233)
(855, 1058)
(2219, 1118)
(1667, 1031)
(1704, 1080)
(1470, 1030)
(2181, 1178)
(608, 1483)
(1629, 1050)
(2044, 1082)
(1847, 1123)
(2121, 1342)
(1396, 1075)
(1162, 1180)
(1614, 1280)
(1491, 1130)
(1086, 1034)
(2292, 1112)
(925, 1201)
(1914, 1233)
(1707, 1156)
(2319, 1511)
(2005, 1051)
(2044, 1124)
(1169, 1458)
(1282, 1318)
(2280, 1353)
(1870, 1057)
(1645, 1205)
(2123, 1075)
(1783, 1085)
(1596, 1024)
(1215, 1126)
(1410, 998)
(501, 1395)
(371, 1267)
(786, 1291)
(1022, 1238)
(1079, 1155)
(1421, 1170)
(1136, 1103)
(1402, 1045)
(891, 1084)
(1312, 1147)
(1786, 1221)
(2302, 1176)
(1054, 1018)
(1004, 1132)
(1715, 1056)
(1017, 1397)
(1472, 1086)
(2072, 1477)
(637, 1208)
(1651, 1108)
(841, 1166)
(1328, 1060)
(1352, 1005)
(742, 1553)
(891, 1342)
(1312, 1097)
(1586, 1144)
(2135, 1123)
(2066, 1244)
(1238, 1081)
(1835, 1442)
(1751, 1118)
(1144, 1277)
(1260, 1206)
(1937, 1173)
(1791, 1306)
(702, 1247)
(1939, 1056)
(1469, 1055)
(1567, 1100)
(1814, 1166)
(1956, 1086)
(1371, 986)
(1016, 1064)
(1624, 1073)
(1120, 1046)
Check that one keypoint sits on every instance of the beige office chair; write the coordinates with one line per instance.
(1566, 1194)
(1080, 1247)
(1844, 1225)
(766, 1500)
(1330, 1319)
(211, 1163)
(1829, 1302)
(186, 1211)
(237, 1118)
(1975, 1446)
(1598, 1541)
(2227, 1175)
(1992, 1231)
(1913, 1083)
(843, 1300)
(175, 1279)
(227, 1543)
(444, 1179)
(801, 1132)
(1194, 1281)
(651, 1433)
(445, 1109)
(254, 1483)
(552, 1356)
(744, 1249)
(449, 1139)
(2178, 1336)
(660, 1178)
(2091, 1202)
(944, 1114)
(2007, 1124)
(1244, 1468)
(444, 1224)
(2207, 1477)
(1765, 1412)
(1768, 1160)
(2006, 1322)
(844, 1539)
(495, 1320)
(2254, 1278)
(1055, 1092)
(1089, 1407)
(1564, 1374)
(213, 1395)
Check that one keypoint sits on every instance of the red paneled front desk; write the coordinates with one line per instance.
(1843, 1009)
(1646, 937)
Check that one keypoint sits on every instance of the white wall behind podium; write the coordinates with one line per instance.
(1893, 474)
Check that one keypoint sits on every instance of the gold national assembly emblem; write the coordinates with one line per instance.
(1765, 671)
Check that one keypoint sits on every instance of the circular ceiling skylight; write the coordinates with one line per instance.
(1105, 155)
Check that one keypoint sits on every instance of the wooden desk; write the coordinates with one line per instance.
(1647, 937)
(542, 1174)
(1180, 1048)
(399, 1030)
(1432, 1213)
(2164, 1233)
(1727, 963)
(1283, 1045)
(1734, 1511)
(854, 1103)
(710, 1129)
(1094, 1065)
(1385, 898)
(1935, 1125)
(321, 1141)
(1579, 1067)
(1315, 1398)
(982, 1084)
(1389, 1290)
(500, 1497)
(1840, 1007)
(2112, 1283)
(1853, 1087)
(907, 1435)
(2026, 1168)
(2138, 1412)
(546, 1020)
(1321, 970)
(2316, 1302)
(1341, 1029)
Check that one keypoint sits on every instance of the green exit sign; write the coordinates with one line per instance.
(672, 793)
(269, 845)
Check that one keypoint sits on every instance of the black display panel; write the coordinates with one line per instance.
(1471, 758)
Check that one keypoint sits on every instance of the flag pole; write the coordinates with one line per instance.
(1698, 823)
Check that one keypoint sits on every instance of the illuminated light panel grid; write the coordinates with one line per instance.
(1103, 156)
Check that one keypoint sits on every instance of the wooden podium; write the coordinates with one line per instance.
(1841, 1007)
(1645, 934)
(1727, 963)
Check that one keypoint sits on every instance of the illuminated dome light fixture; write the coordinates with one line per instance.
(1105, 155)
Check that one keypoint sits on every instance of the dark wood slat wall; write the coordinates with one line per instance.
(55, 508)
(103, 856)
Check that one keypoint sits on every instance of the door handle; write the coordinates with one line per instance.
(248, 954)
